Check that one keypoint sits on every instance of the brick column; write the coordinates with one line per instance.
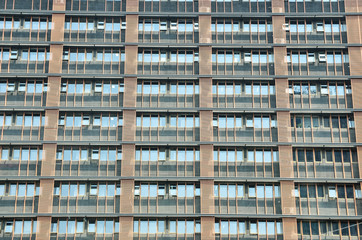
(278, 6)
(126, 228)
(206, 116)
(354, 36)
(129, 120)
(45, 208)
(283, 118)
(51, 123)
(43, 228)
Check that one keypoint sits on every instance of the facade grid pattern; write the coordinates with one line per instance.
(180, 119)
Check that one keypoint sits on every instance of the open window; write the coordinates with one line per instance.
(322, 57)
(65, 55)
(14, 54)
(100, 25)
(163, 26)
(247, 57)
(286, 27)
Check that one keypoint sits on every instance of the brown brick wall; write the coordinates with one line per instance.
(355, 60)
(280, 55)
(132, 6)
(206, 126)
(353, 5)
(205, 29)
(59, 5)
(356, 85)
(53, 94)
(129, 125)
(46, 196)
(206, 160)
(43, 228)
(207, 228)
(49, 159)
(353, 23)
(127, 196)
(358, 126)
(284, 129)
(290, 229)
(359, 158)
(56, 56)
(131, 59)
(126, 228)
(207, 196)
(130, 92)
(205, 92)
(205, 67)
(128, 161)
(51, 124)
(286, 162)
(58, 20)
(278, 6)
(279, 35)
(282, 92)
(288, 198)
(205, 6)
(132, 28)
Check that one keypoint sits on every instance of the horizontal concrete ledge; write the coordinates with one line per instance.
(181, 144)
(179, 110)
(186, 179)
(179, 77)
(173, 216)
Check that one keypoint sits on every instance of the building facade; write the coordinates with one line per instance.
(181, 119)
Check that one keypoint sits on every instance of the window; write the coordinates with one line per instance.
(332, 192)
